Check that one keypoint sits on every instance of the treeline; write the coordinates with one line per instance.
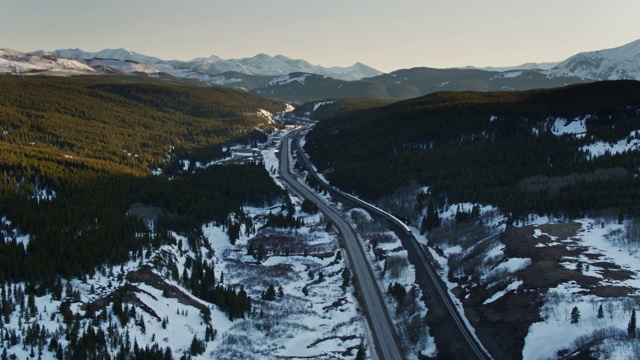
(202, 283)
(479, 146)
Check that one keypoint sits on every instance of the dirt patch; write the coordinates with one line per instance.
(126, 293)
(145, 212)
(505, 321)
(548, 250)
(147, 276)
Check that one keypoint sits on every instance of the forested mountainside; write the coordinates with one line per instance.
(566, 151)
(78, 153)
(324, 109)
(106, 119)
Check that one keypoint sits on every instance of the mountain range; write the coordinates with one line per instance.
(298, 80)
(259, 65)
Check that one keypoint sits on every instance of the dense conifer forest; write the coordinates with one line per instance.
(494, 148)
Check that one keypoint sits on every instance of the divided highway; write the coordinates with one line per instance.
(422, 260)
(386, 344)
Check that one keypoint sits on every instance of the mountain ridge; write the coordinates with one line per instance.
(269, 75)
(618, 63)
(260, 64)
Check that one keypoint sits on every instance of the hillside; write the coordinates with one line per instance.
(416, 82)
(104, 118)
(409, 83)
(304, 87)
(79, 142)
(610, 64)
(490, 147)
(325, 109)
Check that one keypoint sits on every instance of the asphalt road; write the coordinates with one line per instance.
(386, 344)
(460, 335)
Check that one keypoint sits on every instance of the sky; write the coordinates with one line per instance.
(385, 34)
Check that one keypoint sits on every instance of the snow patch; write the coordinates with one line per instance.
(511, 287)
(564, 126)
(317, 105)
(287, 79)
(601, 148)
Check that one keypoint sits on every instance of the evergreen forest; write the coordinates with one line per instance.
(497, 148)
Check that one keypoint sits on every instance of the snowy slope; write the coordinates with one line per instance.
(611, 64)
(114, 54)
(126, 67)
(15, 62)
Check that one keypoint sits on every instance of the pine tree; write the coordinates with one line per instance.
(270, 294)
(197, 347)
(575, 315)
(631, 328)
(431, 219)
(346, 277)
(600, 312)
(362, 352)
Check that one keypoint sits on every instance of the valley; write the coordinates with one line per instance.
(153, 217)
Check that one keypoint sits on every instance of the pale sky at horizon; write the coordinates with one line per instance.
(387, 35)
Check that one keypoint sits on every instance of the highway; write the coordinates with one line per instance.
(385, 339)
(460, 334)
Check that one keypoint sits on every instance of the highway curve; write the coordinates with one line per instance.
(462, 343)
(386, 344)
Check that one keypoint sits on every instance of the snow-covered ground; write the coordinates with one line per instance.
(599, 148)
(313, 316)
(390, 261)
(564, 126)
(324, 323)
(607, 255)
(556, 332)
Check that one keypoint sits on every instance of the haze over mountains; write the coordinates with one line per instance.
(260, 64)
(299, 81)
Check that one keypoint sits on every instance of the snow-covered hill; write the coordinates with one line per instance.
(622, 62)
(112, 54)
(15, 62)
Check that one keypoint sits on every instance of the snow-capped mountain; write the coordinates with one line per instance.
(622, 62)
(261, 64)
(111, 54)
(15, 62)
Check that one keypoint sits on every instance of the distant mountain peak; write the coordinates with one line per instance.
(622, 62)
